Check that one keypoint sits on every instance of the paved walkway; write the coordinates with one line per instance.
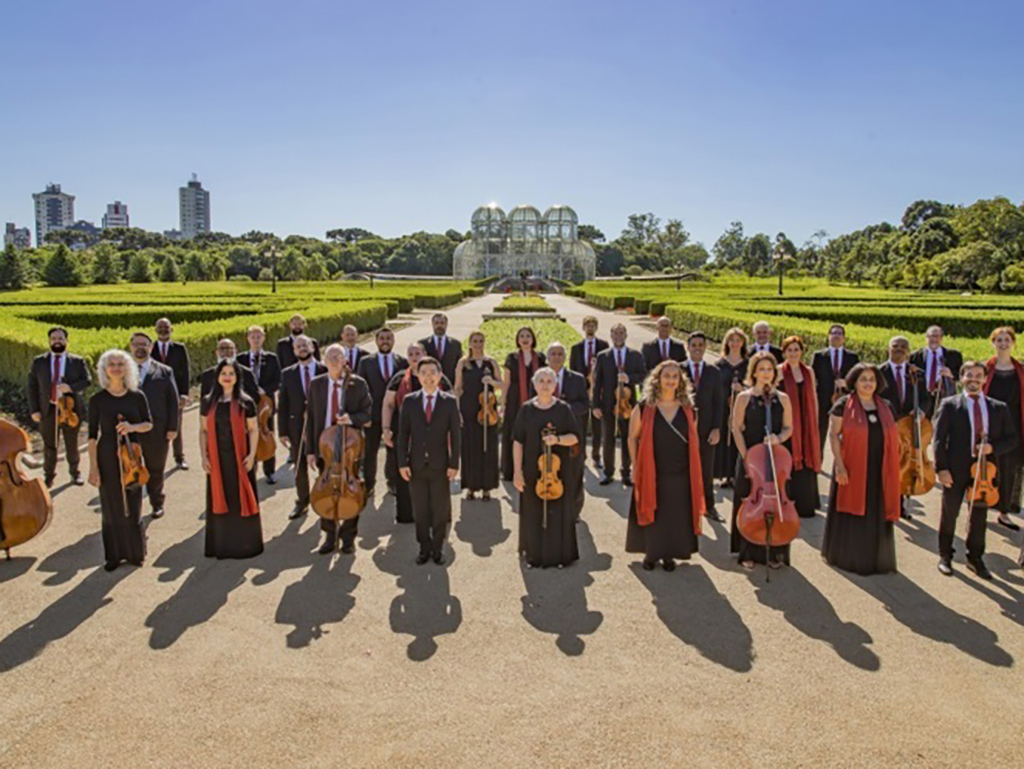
(292, 659)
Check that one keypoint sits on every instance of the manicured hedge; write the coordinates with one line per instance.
(501, 335)
(523, 304)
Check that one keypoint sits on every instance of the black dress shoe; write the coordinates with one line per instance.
(348, 548)
(945, 567)
(647, 565)
(605, 480)
(627, 480)
(183, 465)
(78, 479)
(439, 558)
(714, 515)
(906, 516)
(978, 567)
(598, 465)
(111, 565)
(329, 546)
(271, 479)
(298, 512)
(158, 513)
(1004, 520)
(422, 558)
(668, 564)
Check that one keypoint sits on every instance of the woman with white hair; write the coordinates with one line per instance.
(119, 409)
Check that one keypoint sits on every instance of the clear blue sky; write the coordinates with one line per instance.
(401, 116)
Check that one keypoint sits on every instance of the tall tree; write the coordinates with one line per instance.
(63, 269)
(13, 271)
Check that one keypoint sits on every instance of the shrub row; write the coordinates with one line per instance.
(523, 304)
(501, 334)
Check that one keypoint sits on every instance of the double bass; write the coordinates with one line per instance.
(266, 446)
(25, 505)
(917, 471)
(339, 493)
(549, 486)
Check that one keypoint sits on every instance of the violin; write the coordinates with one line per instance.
(917, 471)
(25, 504)
(66, 414)
(266, 446)
(838, 390)
(984, 490)
(549, 486)
(339, 493)
(133, 470)
(488, 414)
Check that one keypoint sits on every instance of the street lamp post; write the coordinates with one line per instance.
(273, 270)
(780, 255)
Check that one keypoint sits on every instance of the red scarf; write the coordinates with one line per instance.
(852, 498)
(990, 370)
(238, 432)
(645, 473)
(526, 376)
(806, 447)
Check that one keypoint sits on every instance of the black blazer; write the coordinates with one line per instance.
(369, 370)
(606, 377)
(952, 359)
(161, 391)
(249, 386)
(436, 446)
(951, 444)
(821, 365)
(891, 396)
(356, 404)
(776, 351)
(709, 399)
(286, 351)
(576, 393)
(452, 353)
(652, 352)
(291, 403)
(76, 376)
(177, 359)
(269, 379)
(577, 355)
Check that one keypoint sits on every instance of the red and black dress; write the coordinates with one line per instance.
(233, 528)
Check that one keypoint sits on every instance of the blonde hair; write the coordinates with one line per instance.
(735, 331)
(469, 340)
(651, 392)
(755, 359)
(131, 369)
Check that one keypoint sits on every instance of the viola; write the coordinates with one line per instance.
(549, 486)
(917, 471)
(66, 414)
(133, 469)
(339, 493)
(488, 414)
(25, 505)
(984, 490)
(623, 406)
(266, 446)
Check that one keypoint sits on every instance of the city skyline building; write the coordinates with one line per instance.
(55, 210)
(116, 216)
(19, 237)
(193, 209)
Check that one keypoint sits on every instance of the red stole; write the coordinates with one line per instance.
(806, 448)
(238, 432)
(990, 370)
(526, 375)
(852, 498)
(645, 474)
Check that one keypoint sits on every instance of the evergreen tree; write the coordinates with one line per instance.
(106, 265)
(170, 272)
(63, 269)
(13, 272)
(140, 269)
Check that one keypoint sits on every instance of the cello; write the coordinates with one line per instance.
(266, 446)
(549, 486)
(339, 493)
(25, 504)
(917, 471)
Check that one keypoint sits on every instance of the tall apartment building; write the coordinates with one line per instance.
(55, 210)
(193, 209)
(19, 237)
(116, 216)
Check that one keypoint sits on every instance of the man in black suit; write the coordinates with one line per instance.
(266, 370)
(157, 383)
(226, 349)
(442, 347)
(291, 416)
(618, 365)
(286, 344)
(337, 397)
(899, 389)
(571, 387)
(54, 374)
(830, 367)
(709, 400)
(429, 446)
(763, 341)
(349, 344)
(664, 347)
(966, 424)
(940, 366)
(582, 359)
(175, 355)
(378, 369)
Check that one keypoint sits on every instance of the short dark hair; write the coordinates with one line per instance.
(428, 360)
(697, 335)
(55, 329)
(141, 333)
(969, 364)
(533, 336)
(881, 383)
(382, 329)
(840, 326)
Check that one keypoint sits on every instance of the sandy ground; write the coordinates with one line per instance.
(293, 659)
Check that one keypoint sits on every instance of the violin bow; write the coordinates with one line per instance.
(120, 463)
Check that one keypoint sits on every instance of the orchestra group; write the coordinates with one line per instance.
(663, 420)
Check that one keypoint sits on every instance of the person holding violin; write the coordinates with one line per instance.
(668, 501)
(157, 383)
(617, 374)
(118, 414)
(941, 367)
(582, 359)
(428, 447)
(830, 367)
(55, 386)
(572, 388)
(732, 368)
(291, 416)
(1004, 381)
(338, 397)
(175, 355)
(228, 438)
(377, 370)
(798, 383)
(475, 372)
(266, 370)
(971, 429)
(761, 414)
(864, 501)
(516, 389)
(708, 402)
(545, 432)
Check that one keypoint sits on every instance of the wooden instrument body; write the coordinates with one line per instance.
(339, 493)
(767, 511)
(549, 486)
(488, 413)
(266, 446)
(133, 468)
(917, 471)
(66, 414)
(983, 489)
(25, 504)
(623, 406)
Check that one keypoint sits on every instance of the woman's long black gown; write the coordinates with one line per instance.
(725, 452)
(124, 538)
(862, 544)
(555, 545)
(803, 484)
(479, 467)
(754, 422)
(230, 535)
(671, 534)
(512, 408)
(1006, 388)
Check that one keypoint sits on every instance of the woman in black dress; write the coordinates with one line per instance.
(517, 388)
(668, 497)
(733, 367)
(751, 412)
(865, 497)
(119, 409)
(228, 437)
(797, 381)
(1005, 382)
(545, 420)
(479, 457)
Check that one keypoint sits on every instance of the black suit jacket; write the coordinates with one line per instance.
(369, 370)
(606, 377)
(269, 379)
(177, 359)
(576, 393)
(776, 351)
(652, 352)
(709, 399)
(577, 356)
(291, 403)
(891, 395)
(952, 359)
(76, 376)
(161, 391)
(356, 403)
(286, 351)
(249, 386)
(436, 446)
(952, 440)
(452, 353)
(821, 365)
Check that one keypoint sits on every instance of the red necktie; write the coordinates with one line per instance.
(590, 352)
(440, 347)
(899, 383)
(979, 423)
(335, 401)
(696, 376)
(305, 379)
(618, 359)
(663, 354)
(558, 386)
(387, 369)
(835, 364)
(430, 407)
(256, 368)
(55, 379)
(933, 376)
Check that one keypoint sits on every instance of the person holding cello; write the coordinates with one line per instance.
(668, 500)
(798, 383)
(517, 388)
(545, 431)
(761, 414)
(266, 370)
(476, 377)
(864, 501)
(1004, 381)
(55, 386)
(118, 413)
(732, 368)
(617, 374)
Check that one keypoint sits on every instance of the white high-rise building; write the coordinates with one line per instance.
(194, 209)
(116, 216)
(55, 210)
(19, 237)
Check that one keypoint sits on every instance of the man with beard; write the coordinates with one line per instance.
(175, 355)
(441, 347)
(267, 371)
(378, 370)
(157, 383)
(291, 415)
(286, 344)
